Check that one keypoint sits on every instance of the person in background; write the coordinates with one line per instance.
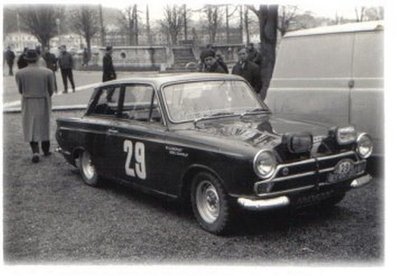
(219, 59)
(51, 63)
(36, 85)
(210, 63)
(248, 70)
(201, 65)
(86, 58)
(65, 62)
(10, 57)
(108, 72)
(21, 62)
(41, 62)
(253, 54)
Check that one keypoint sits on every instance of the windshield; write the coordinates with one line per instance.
(196, 100)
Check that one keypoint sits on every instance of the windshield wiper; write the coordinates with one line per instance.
(224, 113)
(254, 111)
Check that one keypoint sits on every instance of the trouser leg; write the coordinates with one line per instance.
(55, 82)
(70, 76)
(35, 147)
(45, 146)
(64, 79)
(10, 69)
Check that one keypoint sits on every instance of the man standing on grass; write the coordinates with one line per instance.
(36, 85)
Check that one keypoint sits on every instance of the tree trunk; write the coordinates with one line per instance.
(268, 35)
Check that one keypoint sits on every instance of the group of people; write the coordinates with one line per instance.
(248, 65)
(46, 59)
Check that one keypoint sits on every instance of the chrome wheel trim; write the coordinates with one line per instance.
(207, 201)
(87, 166)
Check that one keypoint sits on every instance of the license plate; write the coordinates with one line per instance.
(345, 169)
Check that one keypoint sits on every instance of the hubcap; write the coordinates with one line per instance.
(207, 201)
(88, 167)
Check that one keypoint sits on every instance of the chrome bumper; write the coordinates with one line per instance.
(361, 181)
(282, 201)
(263, 204)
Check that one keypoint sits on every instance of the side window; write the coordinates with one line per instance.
(106, 102)
(141, 103)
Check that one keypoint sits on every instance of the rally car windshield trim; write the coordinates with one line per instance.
(193, 101)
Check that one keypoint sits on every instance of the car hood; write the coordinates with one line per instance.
(257, 131)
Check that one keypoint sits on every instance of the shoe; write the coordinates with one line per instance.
(64, 92)
(35, 158)
(74, 90)
(47, 153)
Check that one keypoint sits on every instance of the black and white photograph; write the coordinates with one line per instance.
(209, 133)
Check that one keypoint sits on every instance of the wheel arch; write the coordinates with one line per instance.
(76, 153)
(188, 177)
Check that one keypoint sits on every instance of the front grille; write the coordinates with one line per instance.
(305, 174)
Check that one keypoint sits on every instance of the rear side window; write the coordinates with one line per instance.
(106, 102)
(141, 103)
(315, 56)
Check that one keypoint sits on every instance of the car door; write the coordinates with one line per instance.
(102, 118)
(136, 141)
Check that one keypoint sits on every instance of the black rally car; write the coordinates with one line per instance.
(207, 138)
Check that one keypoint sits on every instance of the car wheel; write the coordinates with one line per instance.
(210, 204)
(87, 169)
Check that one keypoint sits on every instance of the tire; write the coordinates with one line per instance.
(210, 204)
(88, 171)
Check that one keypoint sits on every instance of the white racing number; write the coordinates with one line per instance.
(139, 167)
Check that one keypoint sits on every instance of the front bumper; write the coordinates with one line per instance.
(283, 201)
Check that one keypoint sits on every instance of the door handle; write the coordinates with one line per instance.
(113, 131)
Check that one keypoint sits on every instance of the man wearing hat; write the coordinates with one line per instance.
(36, 85)
(65, 62)
(108, 69)
(210, 63)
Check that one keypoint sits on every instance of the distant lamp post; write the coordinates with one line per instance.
(58, 22)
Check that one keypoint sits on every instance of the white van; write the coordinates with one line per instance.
(332, 74)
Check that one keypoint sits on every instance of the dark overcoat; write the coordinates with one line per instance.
(108, 69)
(36, 85)
(249, 71)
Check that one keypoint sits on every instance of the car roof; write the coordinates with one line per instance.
(158, 79)
(344, 28)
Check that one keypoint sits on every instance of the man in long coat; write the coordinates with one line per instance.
(248, 70)
(108, 69)
(9, 57)
(36, 85)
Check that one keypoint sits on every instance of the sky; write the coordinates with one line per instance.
(326, 8)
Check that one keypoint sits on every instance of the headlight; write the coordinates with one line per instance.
(298, 142)
(364, 145)
(265, 164)
(346, 135)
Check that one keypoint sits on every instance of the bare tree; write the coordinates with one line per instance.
(101, 25)
(129, 22)
(85, 21)
(287, 15)
(148, 32)
(360, 13)
(40, 21)
(173, 22)
(214, 15)
(268, 17)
